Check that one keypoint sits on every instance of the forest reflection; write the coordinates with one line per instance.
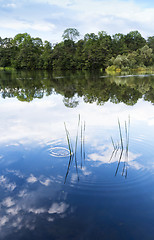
(92, 87)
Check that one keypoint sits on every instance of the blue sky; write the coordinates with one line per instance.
(48, 19)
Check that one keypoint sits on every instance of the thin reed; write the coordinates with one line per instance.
(68, 140)
(120, 146)
(73, 153)
(76, 143)
(120, 134)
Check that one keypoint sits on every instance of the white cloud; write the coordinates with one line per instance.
(8, 202)
(22, 193)
(37, 211)
(87, 16)
(4, 182)
(45, 182)
(15, 172)
(103, 155)
(25, 25)
(3, 221)
(101, 15)
(74, 178)
(85, 171)
(32, 179)
(13, 211)
(58, 208)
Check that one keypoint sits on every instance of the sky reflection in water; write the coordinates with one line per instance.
(42, 197)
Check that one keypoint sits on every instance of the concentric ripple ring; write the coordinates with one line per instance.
(59, 152)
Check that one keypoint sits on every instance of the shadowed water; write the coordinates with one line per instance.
(76, 156)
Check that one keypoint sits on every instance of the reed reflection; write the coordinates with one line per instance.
(120, 147)
(80, 136)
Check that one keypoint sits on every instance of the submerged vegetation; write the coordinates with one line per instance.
(95, 51)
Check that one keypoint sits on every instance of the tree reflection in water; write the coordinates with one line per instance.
(28, 85)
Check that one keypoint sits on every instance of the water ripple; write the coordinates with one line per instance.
(59, 152)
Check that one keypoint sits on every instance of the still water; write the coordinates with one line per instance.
(76, 156)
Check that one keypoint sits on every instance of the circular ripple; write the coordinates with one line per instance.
(59, 152)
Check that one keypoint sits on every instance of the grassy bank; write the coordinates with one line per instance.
(114, 70)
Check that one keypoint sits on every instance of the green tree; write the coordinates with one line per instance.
(121, 61)
(118, 44)
(70, 34)
(28, 51)
(150, 42)
(134, 41)
(46, 56)
(104, 49)
(6, 52)
(145, 56)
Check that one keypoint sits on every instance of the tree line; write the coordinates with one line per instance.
(94, 51)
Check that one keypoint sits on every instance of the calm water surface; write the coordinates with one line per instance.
(76, 156)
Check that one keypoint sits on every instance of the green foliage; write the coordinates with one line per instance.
(118, 44)
(95, 51)
(134, 41)
(70, 34)
(143, 57)
(150, 42)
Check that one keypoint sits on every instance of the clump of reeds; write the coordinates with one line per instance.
(73, 151)
(119, 146)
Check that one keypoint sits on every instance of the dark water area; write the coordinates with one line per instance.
(76, 156)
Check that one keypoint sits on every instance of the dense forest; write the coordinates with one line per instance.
(101, 51)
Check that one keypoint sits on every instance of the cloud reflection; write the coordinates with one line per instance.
(26, 122)
(4, 183)
(8, 202)
(58, 208)
(32, 179)
(3, 221)
(102, 155)
(23, 209)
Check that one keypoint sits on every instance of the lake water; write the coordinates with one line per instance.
(76, 156)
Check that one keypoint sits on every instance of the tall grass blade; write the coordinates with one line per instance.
(73, 156)
(127, 143)
(76, 142)
(68, 168)
(119, 162)
(117, 149)
(68, 140)
(84, 152)
(81, 143)
(122, 147)
(76, 164)
(128, 133)
(113, 143)
(112, 155)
